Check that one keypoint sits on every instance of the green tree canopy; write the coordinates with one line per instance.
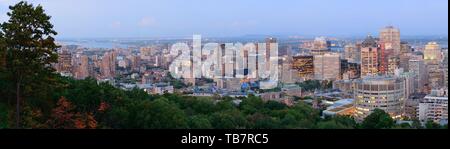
(378, 120)
(29, 49)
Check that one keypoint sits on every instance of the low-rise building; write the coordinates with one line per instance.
(341, 107)
(412, 106)
(434, 107)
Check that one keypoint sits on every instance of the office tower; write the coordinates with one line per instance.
(405, 47)
(435, 75)
(383, 58)
(287, 73)
(227, 68)
(434, 107)
(320, 46)
(379, 92)
(393, 64)
(390, 40)
(409, 79)
(390, 46)
(432, 53)
(433, 58)
(404, 61)
(270, 46)
(405, 55)
(417, 66)
(304, 65)
(352, 53)
(369, 57)
(327, 66)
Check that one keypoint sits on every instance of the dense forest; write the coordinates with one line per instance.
(33, 95)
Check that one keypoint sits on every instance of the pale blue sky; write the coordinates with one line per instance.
(153, 18)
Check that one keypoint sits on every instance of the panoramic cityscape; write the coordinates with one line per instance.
(379, 77)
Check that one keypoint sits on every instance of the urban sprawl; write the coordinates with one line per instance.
(353, 78)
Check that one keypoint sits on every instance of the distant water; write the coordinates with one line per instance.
(94, 44)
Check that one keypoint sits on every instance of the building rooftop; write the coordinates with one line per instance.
(337, 109)
(379, 79)
(369, 42)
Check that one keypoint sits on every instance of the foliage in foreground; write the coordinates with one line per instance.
(34, 96)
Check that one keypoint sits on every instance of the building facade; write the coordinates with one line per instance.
(327, 66)
(379, 92)
(304, 65)
(434, 107)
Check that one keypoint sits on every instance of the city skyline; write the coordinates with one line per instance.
(195, 68)
(116, 19)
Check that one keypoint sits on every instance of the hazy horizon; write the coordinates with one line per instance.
(236, 18)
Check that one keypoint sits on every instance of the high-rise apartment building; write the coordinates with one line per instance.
(108, 65)
(82, 67)
(369, 57)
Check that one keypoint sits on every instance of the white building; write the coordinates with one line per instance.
(434, 107)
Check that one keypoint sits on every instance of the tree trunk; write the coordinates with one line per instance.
(18, 105)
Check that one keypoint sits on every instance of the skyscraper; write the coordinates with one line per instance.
(432, 53)
(404, 61)
(304, 65)
(287, 73)
(352, 53)
(327, 66)
(435, 76)
(417, 66)
(369, 57)
(390, 38)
